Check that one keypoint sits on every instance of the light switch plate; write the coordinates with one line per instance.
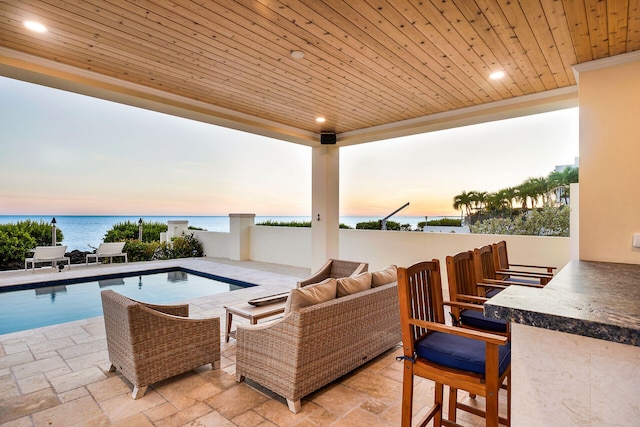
(636, 240)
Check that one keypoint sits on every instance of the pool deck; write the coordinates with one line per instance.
(58, 375)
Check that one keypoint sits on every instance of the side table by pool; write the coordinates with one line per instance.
(251, 312)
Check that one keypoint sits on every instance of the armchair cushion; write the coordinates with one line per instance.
(475, 319)
(352, 285)
(459, 352)
(310, 295)
(385, 276)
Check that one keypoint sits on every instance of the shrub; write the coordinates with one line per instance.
(15, 245)
(446, 222)
(140, 251)
(272, 223)
(17, 239)
(377, 225)
(294, 224)
(129, 231)
(550, 221)
(186, 246)
(180, 247)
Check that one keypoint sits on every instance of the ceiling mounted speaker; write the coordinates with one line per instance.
(328, 138)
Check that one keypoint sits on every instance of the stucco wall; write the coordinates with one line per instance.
(215, 244)
(609, 162)
(292, 246)
(281, 245)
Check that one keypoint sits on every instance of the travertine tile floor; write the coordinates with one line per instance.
(57, 375)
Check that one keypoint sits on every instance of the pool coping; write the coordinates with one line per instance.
(106, 275)
(208, 267)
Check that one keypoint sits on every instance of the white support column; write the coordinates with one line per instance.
(325, 201)
(239, 239)
(609, 99)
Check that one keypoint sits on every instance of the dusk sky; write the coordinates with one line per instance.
(68, 154)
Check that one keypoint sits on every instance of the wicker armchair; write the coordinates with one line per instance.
(335, 268)
(148, 343)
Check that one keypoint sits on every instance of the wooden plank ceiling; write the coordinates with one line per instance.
(366, 63)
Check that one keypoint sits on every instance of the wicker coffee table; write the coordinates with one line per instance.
(251, 312)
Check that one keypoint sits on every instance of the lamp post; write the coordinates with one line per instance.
(53, 231)
(140, 229)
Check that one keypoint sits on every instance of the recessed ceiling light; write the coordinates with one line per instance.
(496, 75)
(35, 26)
(297, 54)
(320, 119)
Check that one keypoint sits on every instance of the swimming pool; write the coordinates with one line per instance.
(43, 304)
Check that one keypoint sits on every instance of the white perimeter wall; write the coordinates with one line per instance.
(215, 244)
(292, 246)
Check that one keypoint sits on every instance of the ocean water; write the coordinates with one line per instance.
(85, 233)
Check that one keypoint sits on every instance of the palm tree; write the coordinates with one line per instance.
(541, 184)
(527, 191)
(463, 200)
(479, 199)
(497, 202)
(559, 182)
(510, 194)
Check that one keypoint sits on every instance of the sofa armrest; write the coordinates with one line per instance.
(268, 353)
(318, 276)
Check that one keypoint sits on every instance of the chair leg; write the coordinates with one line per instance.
(453, 404)
(294, 406)
(407, 394)
(138, 392)
(438, 402)
(491, 410)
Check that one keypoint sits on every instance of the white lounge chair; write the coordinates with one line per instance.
(51, 254)
(108, 250)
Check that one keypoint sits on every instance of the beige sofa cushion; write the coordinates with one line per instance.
(310, 295)
(384, 276)
(352, 285)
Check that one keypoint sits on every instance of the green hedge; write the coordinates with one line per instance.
(129, 231)
(272, 223)
(16, 240)
(445, 222)
(377, 225)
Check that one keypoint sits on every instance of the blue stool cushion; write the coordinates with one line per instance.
(476, 319)
(461, 353)
(523, 280)
(493, 292)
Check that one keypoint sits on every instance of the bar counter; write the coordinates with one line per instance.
(593, 299)
(575, 347)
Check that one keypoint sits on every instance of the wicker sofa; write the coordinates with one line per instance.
(310, 347)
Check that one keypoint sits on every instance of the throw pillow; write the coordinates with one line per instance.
(385, 276)
(352, 285)
(309, 295)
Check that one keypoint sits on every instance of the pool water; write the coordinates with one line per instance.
(50, 304)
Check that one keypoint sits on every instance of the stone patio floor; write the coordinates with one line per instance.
(58, 375)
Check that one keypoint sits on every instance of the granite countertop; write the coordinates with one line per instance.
(593, 299)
